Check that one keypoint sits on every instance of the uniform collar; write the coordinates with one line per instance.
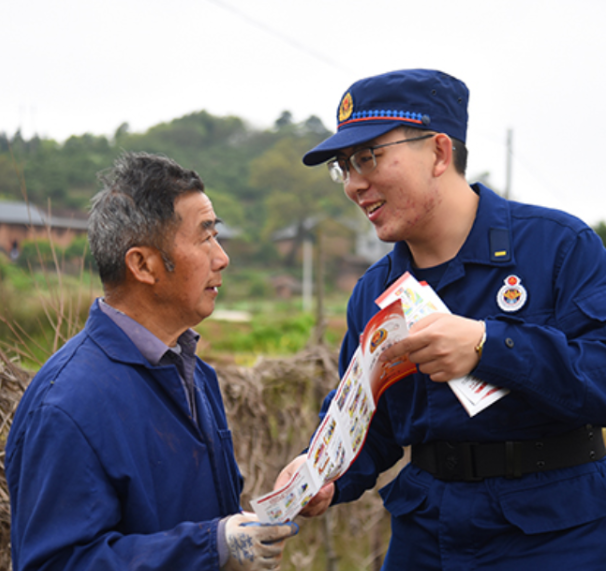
(112, 339)
(489, 241)
(152, 348)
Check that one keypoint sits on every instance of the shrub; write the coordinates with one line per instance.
(37, 253)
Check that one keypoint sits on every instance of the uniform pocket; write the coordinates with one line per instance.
(406, 492)
(556, 501)
(592, 306)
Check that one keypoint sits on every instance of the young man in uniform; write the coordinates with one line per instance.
(120, 456)
(522, 484)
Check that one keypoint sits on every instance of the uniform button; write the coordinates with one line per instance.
(509, 342)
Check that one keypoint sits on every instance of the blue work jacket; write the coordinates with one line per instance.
(550, 352)
(106, 468)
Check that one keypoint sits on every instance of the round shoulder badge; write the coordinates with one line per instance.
(513, 295)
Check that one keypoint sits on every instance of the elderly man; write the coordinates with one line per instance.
(119, 455)
(522, 484)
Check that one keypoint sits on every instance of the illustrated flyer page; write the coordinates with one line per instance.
(343, 430)
(418, 300)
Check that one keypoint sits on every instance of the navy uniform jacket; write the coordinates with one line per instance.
(106, 468)
(550, 353)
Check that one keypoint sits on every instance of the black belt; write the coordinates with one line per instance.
(474, 461)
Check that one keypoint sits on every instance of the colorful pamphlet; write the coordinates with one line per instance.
(418, 300)
(343, 430)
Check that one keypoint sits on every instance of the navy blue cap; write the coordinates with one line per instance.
(421, 98)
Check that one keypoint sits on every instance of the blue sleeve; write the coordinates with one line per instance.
(559, 366)
(379, 453)
(67, 516)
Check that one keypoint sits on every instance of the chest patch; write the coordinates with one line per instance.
(513, 295)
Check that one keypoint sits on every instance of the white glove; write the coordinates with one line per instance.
(255, 546)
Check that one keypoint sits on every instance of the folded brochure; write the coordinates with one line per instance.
(418, 300)
(343, 430)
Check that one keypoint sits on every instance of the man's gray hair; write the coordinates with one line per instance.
(135, 207)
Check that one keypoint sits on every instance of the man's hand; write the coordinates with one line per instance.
(320, 502)
(254, 546)
(441, 345)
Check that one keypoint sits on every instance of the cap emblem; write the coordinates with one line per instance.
(346, 107)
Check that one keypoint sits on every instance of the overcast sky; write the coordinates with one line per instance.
(535, 67)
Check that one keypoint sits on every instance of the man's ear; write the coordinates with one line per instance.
(443, 149)
(144, 264)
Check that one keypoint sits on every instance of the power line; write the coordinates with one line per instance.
(282, 37)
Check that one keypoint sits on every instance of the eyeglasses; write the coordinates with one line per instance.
(364, 160)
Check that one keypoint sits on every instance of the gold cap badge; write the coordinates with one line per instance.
(346, 107)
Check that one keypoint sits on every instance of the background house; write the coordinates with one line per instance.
(20, 221)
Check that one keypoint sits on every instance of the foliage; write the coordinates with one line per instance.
(600, 230)
(255, 177)
(31, 300)
(9, 177)
(79, 250)
(223, 150)
(227, 207)
(41, 253)
(40, 310)
(34, 253)
(293, 192)
(267, 334)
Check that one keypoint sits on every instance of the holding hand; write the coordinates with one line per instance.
(320, 502)
(254, 546)
(442, 345)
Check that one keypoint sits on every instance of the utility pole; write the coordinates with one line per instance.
(320, 319)
(508, 168)
(307, 272)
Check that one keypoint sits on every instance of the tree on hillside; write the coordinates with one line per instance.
(283, 121)
(218, 148)
(221, 149)
(313, 125)
(10, 183)
(227, 207)
(292, 192)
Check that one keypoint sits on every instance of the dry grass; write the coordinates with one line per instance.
(13, 381)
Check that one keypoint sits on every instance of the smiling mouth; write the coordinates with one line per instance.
(374, 207)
